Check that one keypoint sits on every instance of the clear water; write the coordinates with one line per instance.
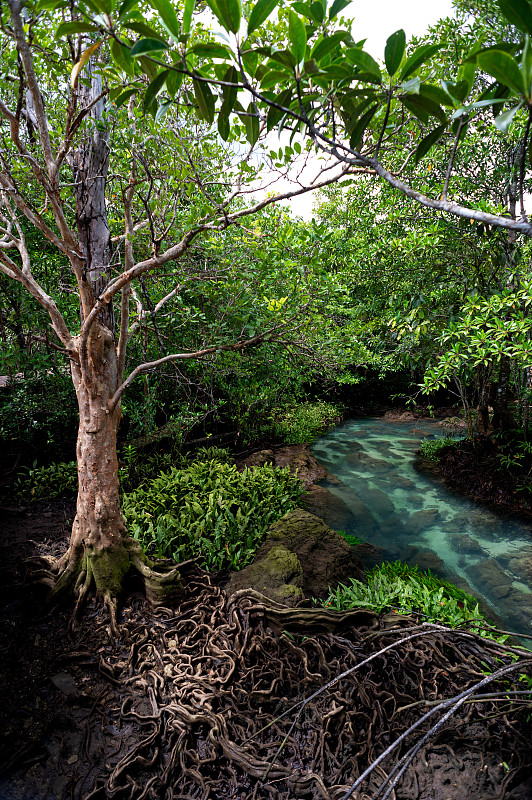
(416, 518)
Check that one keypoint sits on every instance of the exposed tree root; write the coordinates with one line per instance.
(240, 697)
(108, 573)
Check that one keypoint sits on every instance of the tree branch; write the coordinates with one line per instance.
(142, 368)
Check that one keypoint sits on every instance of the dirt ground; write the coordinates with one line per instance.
(167, 710)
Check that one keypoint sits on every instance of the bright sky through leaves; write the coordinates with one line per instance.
(375, 21)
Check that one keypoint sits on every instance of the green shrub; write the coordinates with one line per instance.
(210, 510)
(220, 454)
(39, 483)
(399, 586)
(305, 422)
(430, 448)
(38, 415)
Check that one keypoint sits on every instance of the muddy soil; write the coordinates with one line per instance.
(474, 470)
(164, 711)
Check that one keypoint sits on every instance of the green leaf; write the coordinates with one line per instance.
(503, 121)
(154, 88)
(326, 44)
(168, 17)
(144, 46)
(423, 108)
(272, 78)
(123, 97)
(317, 11)
(205, 100)
(148, 67)
(251, 122)
(297, 35)
(503, 68)
(412, 86)
(174, 81)
(261, 11)
(126, 7)
(418, 57)
(436, 94)
(230, 93)
(161, 111)
(359, 57)
(394, 51)
(122, 57)
(361, 125)
(224, 127)
(143, 29)
(428, 141)
(68, 28)
(210, 50)
(518, 12)
(275, 114)
(227, 12)
(337, 8)
(187, 16)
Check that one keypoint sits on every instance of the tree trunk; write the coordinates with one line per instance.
(101, 553)
(99, 532)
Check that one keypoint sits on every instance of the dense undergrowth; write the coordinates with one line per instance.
(400, 587)
(210, 511)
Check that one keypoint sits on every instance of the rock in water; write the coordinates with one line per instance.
(300, 557)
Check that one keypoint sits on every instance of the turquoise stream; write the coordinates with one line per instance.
(417, 519)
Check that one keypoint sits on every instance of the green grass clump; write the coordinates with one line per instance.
(430, 448)
(210, 510)
(399, 586)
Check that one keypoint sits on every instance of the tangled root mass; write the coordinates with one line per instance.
(207, 690)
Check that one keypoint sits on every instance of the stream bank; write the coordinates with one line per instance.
(165, 710)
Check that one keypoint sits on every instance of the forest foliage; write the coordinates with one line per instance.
(225, 315)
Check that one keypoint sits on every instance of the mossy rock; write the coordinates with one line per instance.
(277, 575)
(302, 552)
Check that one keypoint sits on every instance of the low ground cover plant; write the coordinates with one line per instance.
(41, 483)
(303, 423)
(398, 586)
(430, 448)
(211, 510)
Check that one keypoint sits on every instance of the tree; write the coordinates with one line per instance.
(59, 164)
(55, 178)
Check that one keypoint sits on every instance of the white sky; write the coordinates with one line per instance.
(375, 20)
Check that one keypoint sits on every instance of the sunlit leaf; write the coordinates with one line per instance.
(359, 57)
(168, 17)
(297, 35)
(326, 44)
(504, 120)
(68, 28)
(187, 16)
